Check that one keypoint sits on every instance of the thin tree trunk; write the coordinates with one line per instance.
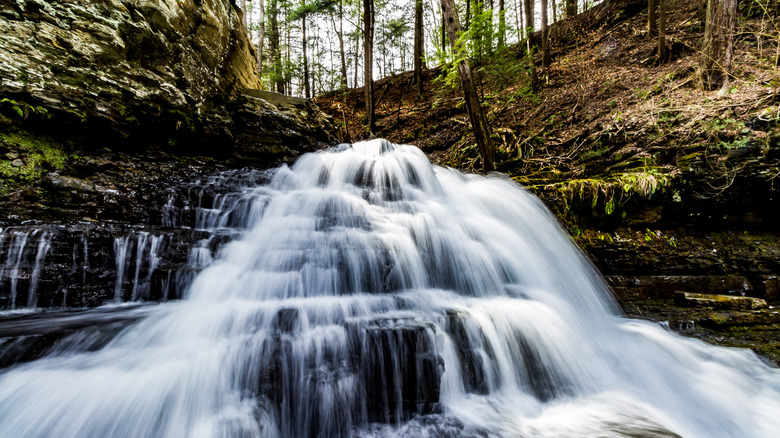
(479, 8)
(274, 45)
(368, 63)
(243, 12)
(357, 50)
(418, 45)
(652, 27)
(260, 38)
(554, 11)
(545, 37)
(488, 43)
(443, 36)
(288, 58)
(501, 24)
(468, 15)
(477, 116)
(528, 10)
(306, 89)
(518, 20)
(341, 45)
(662, 30)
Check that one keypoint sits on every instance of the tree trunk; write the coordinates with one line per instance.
(443, 36)
(571, 8)
(479, 8)
(274, 45)
(341, 45)
(418, 45)
(243, 12)
(501, 24)
(357, 49)
(528, 11)
(260, 39)
(518, 20)
(554, 11)
(661, 30)
(368, 63)
(652, 27)
(306, 88)
(468, 15)
(477, 116)
(545, 37)
(718, 43)
(287, 81)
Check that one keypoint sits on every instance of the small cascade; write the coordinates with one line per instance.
(85, 265)
(14, 261)
(44, 244)
(25, 256)
(219, 201)
(137, 253)
(121, 248)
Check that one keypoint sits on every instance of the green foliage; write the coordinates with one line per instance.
(36, 154)
(612, 191)
(23, 109)
(597, 151)
(494, 67)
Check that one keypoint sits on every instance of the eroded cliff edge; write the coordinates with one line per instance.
(101, 100)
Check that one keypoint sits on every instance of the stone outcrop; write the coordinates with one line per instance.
(727, 302)
(130, 74)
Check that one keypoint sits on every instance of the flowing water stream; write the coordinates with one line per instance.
(373, 294)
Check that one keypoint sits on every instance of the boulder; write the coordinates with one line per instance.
(725, 302)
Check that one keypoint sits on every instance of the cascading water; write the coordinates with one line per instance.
(377, 295)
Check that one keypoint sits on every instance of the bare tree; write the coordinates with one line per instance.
(260, 38)
(418, 45)
(479, 122)
(501, 24)
(304, 43)
(341, 45)
(368, 63)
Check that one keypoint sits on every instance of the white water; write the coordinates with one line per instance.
(22, 262)
(376, 295)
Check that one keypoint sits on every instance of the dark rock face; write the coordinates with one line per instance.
(132, 74)
(118, 120)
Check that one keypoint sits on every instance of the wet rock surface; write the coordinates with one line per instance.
(725, 302)
(758, 330)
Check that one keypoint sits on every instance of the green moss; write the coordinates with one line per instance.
(23, 109)
(36, 154)
(610, 191)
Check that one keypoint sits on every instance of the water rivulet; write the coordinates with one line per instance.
(377, 295)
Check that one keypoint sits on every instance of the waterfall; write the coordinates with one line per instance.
(23, 262)
(376, 295)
